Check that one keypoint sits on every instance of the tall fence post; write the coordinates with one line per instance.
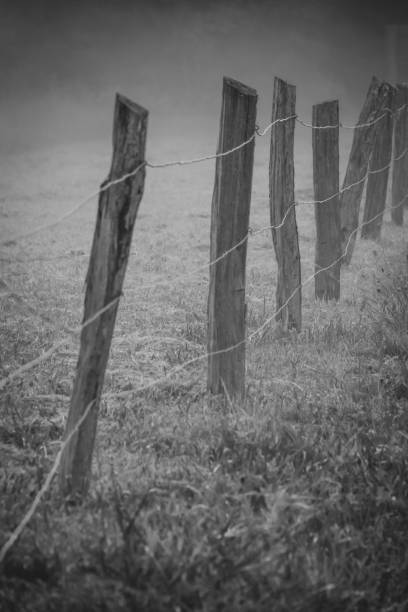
(117, 210)
(229, 226)
(377, 181)
(357, 166)
(327, 214)
(282, 209)
(400, 169)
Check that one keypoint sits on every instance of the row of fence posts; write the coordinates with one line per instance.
(336, 224)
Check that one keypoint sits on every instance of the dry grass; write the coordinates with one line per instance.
(294, 500)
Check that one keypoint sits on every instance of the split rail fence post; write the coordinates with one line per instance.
(117, 210)
(400, 169)
(282, 209)
(229, 225)
(357, 166)
(376, 193)
(327, 214)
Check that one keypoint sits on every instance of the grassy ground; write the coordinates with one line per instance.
(296, 499)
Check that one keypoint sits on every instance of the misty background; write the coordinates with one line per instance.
(62, 62)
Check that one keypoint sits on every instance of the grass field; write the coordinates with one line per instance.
(296, 499)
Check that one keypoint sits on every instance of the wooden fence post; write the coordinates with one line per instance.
(357, 166)
(400, 169)
(229, 225)
(327, 214)
(282, 209)
(376, 193)
(117, 210)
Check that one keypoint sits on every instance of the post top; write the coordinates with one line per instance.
(240, 87)
(280, 81)
(136, 108)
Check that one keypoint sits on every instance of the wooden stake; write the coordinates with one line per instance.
(381, 157)
(118, 206)
(327, 214)
(282, 209)
(229, 225)
(400, 169)
(357, 166)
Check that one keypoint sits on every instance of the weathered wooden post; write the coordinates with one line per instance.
(400, 169)
(282, 208)
(117, 210)
(229, 225)
(381, 158)
(327, 214)
(357, 166)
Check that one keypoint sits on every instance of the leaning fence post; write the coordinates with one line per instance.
(400, 169)
(357, 166)
(229, 226)
(117, 210)
(379, 166)
(282, 206)
(327, 213)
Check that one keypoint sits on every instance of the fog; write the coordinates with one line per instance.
(62, 62)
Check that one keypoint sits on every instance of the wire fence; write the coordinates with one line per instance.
(256, 334)
(175, 279)
(47, 354)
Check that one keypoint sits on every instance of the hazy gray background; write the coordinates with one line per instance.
(62, 62)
